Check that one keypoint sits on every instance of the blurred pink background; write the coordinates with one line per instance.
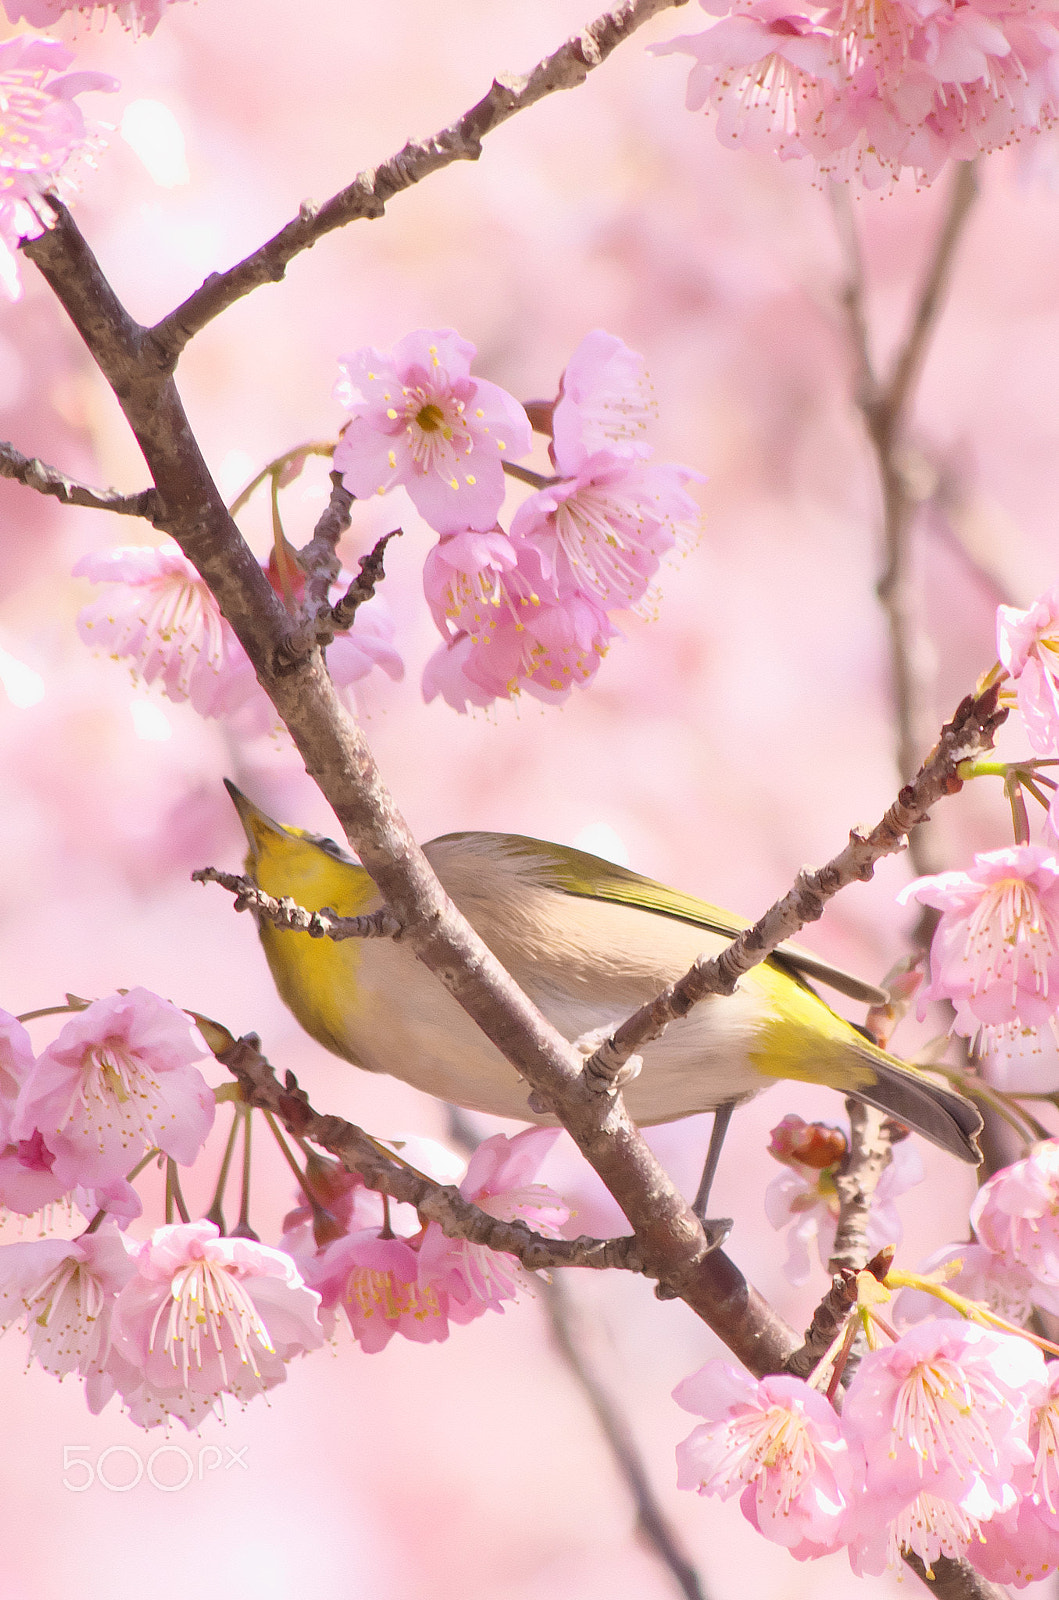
(725, 744)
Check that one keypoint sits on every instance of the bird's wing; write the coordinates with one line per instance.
(591, 878)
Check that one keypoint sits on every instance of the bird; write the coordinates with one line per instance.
(588, 941)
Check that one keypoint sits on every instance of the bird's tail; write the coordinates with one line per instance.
(932, 1109)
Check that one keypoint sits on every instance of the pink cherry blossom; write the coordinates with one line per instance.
(118, 1081)
(140, 16)
(204, 1317)
(942, 1412)
(518, 640)
(995, 952)
(498, 1181)
(156, 611)
(605, 402)
(1028, 646)
(42, 128)
(375, 1282)
(804, 1200)
(1021, 1546)
(866, 88)
(995, 1281)
(603, 531)
(462, 578)
(768, 72)
(1016, 1214)
(420, 419)
(928, 1526)
(776, 1443)
(64, 1293)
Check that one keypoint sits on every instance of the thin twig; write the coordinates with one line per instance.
(287, 913)
(368, 194)
(651, 1520)
(36, 474)
(318, 559)
(869, 1155)
(973, 727)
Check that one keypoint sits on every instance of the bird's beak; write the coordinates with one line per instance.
(255, 823)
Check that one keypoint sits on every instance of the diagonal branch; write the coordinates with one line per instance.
(36, 474)
(971, 730)
(382, 1170)
(368, 194)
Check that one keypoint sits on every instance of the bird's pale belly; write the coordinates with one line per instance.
(428, 1040)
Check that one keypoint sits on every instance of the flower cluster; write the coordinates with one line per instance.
(945, 1447)
(804, 1198)
(42, 128)
(171, 1324)
(866, 88)
(175, 1322)
(387, 1273)
(528, 609)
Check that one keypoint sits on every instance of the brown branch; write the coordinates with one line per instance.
(653, 1525)
(318, 559)
(368, 194)
(36, 474)
(869, 1155)
(387, 1173)
(885, 406)
(287, 913)
(970, 732)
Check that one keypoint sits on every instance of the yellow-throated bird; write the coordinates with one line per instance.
(588, 942)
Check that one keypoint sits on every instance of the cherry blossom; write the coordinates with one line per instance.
(1028, 646)
(119, 1080)
(776, 1443)
(420, 419)
(518, 639)
(375, 1282)
(64, 1292)
(42, 128)
(140, 16)
(156, 611)
(605, 402)
(498, 1181)
(942, 1412)
(1021, 1546)
(204, 1317)
(603, 531)
(865, 88)
(1016, 1214)
(995, 952)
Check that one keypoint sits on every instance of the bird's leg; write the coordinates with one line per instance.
(722, 1116)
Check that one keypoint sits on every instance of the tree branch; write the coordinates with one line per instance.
(386, 1172)
(36, 474)
(368, 194)
(970, 732)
